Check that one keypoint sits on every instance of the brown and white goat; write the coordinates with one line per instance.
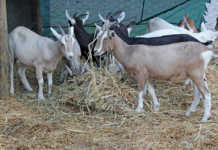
(188, 24)
(167, 62)
(32, 50)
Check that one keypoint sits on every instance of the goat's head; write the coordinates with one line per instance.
(77, 19)
(69, 46)
(110, 20)
(104, 40)
(206, 34)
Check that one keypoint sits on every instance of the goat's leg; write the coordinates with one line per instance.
(50, 82)
(187, 82)
(203, 88)
(63, 75)
(39, 77)
(12, 77)
(195, 102)
(141, 95)
(22, 74)
(154, 97)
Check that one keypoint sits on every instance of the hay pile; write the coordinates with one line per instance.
(96, 111)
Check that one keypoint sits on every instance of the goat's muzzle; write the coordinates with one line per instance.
(98, 52)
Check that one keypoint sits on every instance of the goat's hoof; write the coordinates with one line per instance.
(11, 91)
(156, 108)
(41, 97)
(139, 109)
(203, 120)
(30, 89)
(188, 113)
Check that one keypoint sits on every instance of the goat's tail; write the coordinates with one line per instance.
(11, 49)
(207, 43)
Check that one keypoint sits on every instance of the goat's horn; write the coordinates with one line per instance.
(102, 19)
(132, 23)
(82, 15)
(69, 18)
(75, 15)
(117, 13)
(108, 15)
(62, 30)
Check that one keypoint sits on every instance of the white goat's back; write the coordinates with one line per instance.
(159, 27)
(27, 46)
(159, 33)
(160, 24)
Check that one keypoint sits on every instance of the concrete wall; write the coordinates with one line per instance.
(21, 13)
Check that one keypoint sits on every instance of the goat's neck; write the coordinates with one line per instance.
(56, 50)
(120, 49)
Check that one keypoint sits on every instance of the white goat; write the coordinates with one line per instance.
(159, 27)
(33, 50)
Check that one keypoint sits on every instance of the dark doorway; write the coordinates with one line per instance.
(23, 13)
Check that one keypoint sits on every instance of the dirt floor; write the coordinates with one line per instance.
(96, 111)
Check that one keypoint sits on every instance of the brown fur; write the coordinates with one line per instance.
(180, 60)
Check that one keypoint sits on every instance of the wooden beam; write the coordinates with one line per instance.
(4, 86)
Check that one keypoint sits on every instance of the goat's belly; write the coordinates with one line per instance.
(175, 77)
(49, 67)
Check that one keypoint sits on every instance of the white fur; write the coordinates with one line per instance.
(69, 18)
(85, 18)
(121, 17)
(40, 92)
(50, 82)
(42, 53)
(195, 102)
(161, 27)
(154, 97)
(140, 102)
(102, 18)
(206, 57)
(99, 51)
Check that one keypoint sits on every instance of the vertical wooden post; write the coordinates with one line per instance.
(4, 88)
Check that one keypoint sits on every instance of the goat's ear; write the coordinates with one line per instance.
(185, 19)
(86, 17)
(132, 23)
(61, 29)
(129, 26)
(203, 27)
(54, 32)
(102, 19)
(70, 20)
(121, 17)
(97, 27)
(129, 29)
